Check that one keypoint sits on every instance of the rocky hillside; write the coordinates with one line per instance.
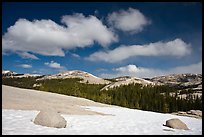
(190, 113)
(8, 73)
(85, 76)
(126, 80)
(27, 75)
(185, 83)
(181, 81)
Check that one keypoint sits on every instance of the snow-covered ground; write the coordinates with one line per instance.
(121, 121)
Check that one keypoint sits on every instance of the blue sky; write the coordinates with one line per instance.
(107, 39)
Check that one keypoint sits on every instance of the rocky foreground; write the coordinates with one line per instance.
(21, 107)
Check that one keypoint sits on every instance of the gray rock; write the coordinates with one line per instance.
(50, 118)
(181, 81)
(195, 112)
(182, 113)
(176, 124)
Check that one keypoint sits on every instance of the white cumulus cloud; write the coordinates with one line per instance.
(142, 72)
(53, 64)
(131, 20)
(25, 66)
(176, 48)
(45, 37)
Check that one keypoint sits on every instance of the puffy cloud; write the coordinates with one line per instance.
(25, 66)
(131, 20)
(142, 72)
(48, 38)
(176, 47)
(129, 69)
(53, 64)
(88, 29)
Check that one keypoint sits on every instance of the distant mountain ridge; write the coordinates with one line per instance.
(180, 81)
(8, 73)
(85, 76)
(126, 80)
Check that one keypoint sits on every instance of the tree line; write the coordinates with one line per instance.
(156, 98)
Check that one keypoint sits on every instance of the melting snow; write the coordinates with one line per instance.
(121, 121)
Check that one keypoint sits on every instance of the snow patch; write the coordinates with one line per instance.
(122, 121)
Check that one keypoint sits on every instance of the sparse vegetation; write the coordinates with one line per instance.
(112, 80)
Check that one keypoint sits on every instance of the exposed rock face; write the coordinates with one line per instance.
(191, 113)
(126, 81)
(7, 73)
(50, 118)
(186, 84)
(27, 75)
(86, 77)
(176, 124)
(195, 112)
(181, 81)
(37, 85)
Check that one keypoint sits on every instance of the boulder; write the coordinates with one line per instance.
(182, 113)
(176, 124)
(50, 118)
(195, 112)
